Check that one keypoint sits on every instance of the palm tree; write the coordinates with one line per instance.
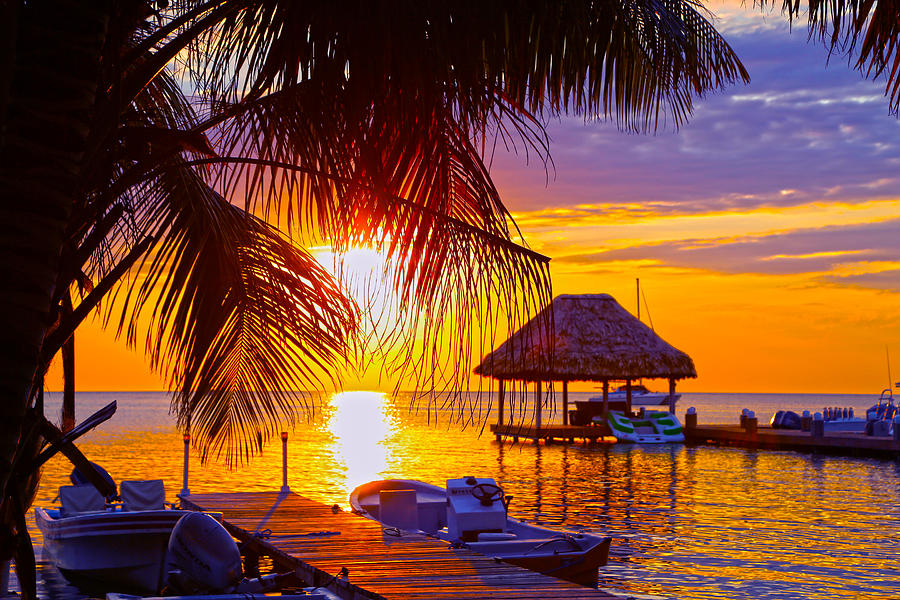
(868, 30)
(166, 161)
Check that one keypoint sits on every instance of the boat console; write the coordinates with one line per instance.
(474, 506)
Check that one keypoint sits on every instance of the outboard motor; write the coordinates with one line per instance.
(790, 420)
(202, 557)
(775, 422)
(79, 478)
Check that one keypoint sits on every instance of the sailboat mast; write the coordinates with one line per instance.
(637, 283)
(887, 353)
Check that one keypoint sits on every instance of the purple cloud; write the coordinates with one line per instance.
(816, 251)
(820, 131)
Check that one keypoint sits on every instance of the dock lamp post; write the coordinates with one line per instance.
(284, 485)
(187, 449)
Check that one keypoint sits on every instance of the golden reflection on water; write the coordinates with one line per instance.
(360, 424)
(691, 523)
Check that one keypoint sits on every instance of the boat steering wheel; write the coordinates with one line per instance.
(487, 493)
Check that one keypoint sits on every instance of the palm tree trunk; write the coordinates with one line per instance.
(51, 89)
(67, 418)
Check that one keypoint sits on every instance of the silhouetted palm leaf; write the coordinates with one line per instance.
(868, 27)
(239, 317)
(356, 125)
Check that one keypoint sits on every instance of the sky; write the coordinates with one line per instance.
(764, 231)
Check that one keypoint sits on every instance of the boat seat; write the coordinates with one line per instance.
(80, 499)
(399, 508)
(143, 494)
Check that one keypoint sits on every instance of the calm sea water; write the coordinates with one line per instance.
(688, 523)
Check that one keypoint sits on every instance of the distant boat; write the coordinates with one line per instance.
(472, 513)
(640, 396)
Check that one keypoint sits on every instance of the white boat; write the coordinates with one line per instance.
(119, 547)
(655, 427)
(640, 396)
(472, 513)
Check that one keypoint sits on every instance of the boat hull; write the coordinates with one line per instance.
(639, 398)
(567, 555)
(112, 550)
(577, 567)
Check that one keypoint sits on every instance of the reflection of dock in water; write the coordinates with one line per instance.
(319, 543)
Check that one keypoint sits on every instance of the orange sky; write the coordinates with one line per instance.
(764, 232)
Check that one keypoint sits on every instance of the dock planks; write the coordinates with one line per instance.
(304, 537)
(790, 439)
(550, 432)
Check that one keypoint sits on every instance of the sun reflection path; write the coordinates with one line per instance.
(361, 424)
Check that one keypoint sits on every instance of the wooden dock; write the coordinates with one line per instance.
(551, 432)
(318, 543)
(791, 439)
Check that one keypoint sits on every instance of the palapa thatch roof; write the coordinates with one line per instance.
(594, 339)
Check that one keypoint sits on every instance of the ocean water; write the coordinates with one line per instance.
(687, 523)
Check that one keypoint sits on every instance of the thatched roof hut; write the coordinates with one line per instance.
(593, 339)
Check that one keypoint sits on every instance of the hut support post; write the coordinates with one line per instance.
(628, 396)
(500, 391)
(605, 398)
(672, 395)
(538, 400)
(565, 402)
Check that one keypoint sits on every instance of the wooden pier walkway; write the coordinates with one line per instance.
(551, 432)
(317, 542)
(790, 439)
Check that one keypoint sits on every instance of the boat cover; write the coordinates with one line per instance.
(79, 499)
(143, 494)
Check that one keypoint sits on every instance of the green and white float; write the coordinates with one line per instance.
(656, 427)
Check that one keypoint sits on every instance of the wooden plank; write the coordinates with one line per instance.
(318, 542)
(790, 439)
(591, 433)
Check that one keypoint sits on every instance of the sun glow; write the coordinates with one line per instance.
(364, 276)
(360, 423)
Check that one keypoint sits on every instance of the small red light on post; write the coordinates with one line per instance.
(187, 437)
(284, 436)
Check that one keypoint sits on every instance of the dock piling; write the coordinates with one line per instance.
(284, 439)
(751, 423)
(805, 421)
(187, 455)
(690, 418)
(818, 426)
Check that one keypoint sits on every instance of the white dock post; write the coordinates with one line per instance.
(284, 485)
(187, 456)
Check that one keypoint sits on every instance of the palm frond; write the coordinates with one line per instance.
(867, 29)
(397, 104)
(237, 315)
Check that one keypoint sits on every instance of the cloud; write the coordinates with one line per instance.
(851, 255)
(820, 131)
(888, 280)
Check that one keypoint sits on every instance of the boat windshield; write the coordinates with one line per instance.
(635, 389)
